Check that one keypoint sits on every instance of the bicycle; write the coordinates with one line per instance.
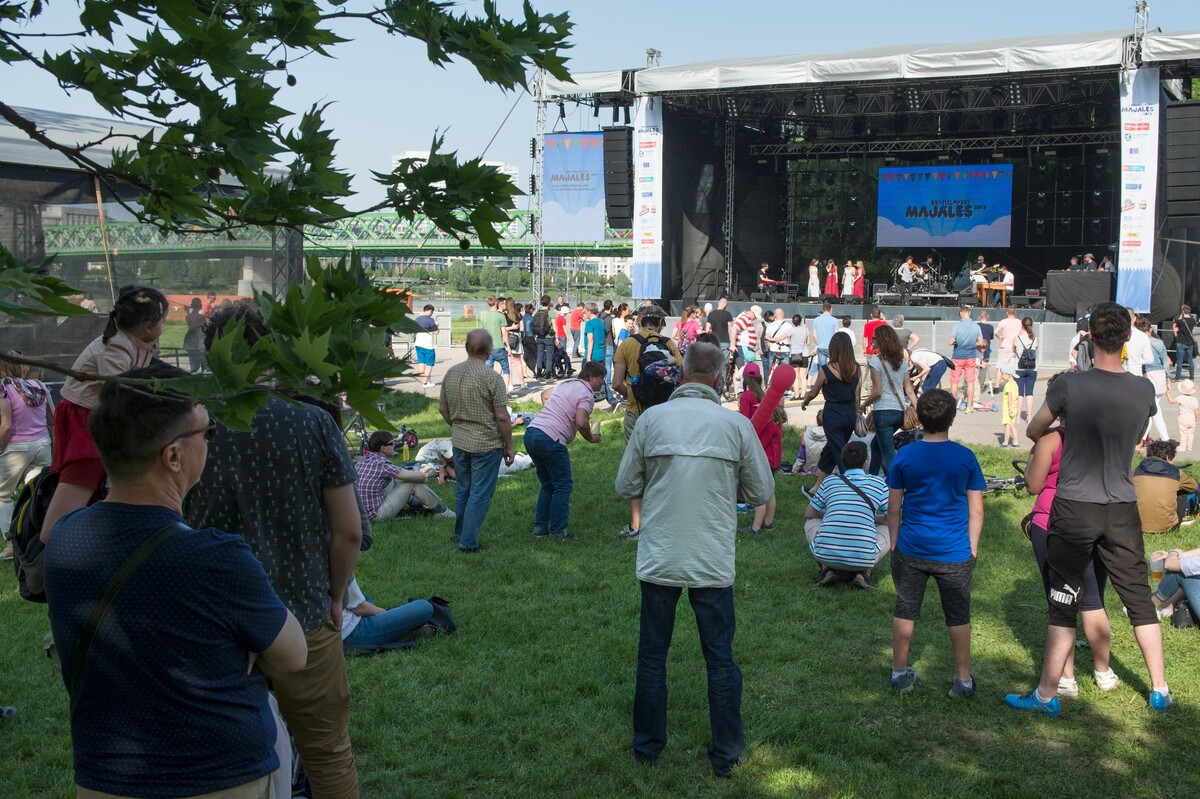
(405, 435)
(996, 485)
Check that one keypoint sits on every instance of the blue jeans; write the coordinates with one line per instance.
(609, 351)
(1173, 581)
(553, 464)
(1185, 352)
(475, 476)
(545, 357)
(821, 359)
(391, 625)
(883, 446)
(934, 377)
(715, 623)
(499, 355)
(576, 337)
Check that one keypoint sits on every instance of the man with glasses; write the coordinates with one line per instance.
(169, 698)
(385, 488)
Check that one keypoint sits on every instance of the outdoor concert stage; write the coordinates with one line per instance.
(780, 160)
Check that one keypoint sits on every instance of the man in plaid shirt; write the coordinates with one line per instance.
(385, 488)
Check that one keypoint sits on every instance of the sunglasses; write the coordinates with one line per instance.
(209, 434)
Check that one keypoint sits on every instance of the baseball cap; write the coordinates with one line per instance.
(751, 370)
(653, 312)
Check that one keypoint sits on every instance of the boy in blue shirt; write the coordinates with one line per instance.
(937, 487)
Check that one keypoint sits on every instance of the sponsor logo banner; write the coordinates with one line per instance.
(1139, 160)
(647, 216)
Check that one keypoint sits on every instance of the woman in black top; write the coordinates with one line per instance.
(840, 382)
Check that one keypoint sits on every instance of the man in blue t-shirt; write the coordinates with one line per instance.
(935, 515)
(170, 698)
(824, 326)
(965, 339)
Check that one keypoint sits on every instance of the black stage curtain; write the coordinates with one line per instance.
(693, 251)
(1066, 291)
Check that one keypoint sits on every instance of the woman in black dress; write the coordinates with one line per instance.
(840, 382)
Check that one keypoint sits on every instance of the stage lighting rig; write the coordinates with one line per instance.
(819, 102)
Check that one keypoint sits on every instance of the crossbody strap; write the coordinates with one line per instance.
(902, 400)
(100, 609)
(860, 492)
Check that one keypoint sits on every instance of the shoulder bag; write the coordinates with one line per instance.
(911, 420)
(861, 493)
(100, 609)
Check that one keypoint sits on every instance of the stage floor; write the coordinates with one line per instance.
(930, 313)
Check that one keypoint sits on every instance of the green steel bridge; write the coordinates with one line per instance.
(368, 234)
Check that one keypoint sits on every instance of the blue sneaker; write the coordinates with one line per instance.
(1031, 703)
(905, 681)
(1160, 702)
(742, 507)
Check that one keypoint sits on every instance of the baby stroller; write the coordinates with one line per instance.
(561, 367)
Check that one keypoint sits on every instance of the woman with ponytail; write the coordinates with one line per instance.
(130, 341)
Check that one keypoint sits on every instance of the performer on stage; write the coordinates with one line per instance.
(831, 278)
(848, 279)
(814, 279)
(907, 271)
(764, 279)
(860, 280)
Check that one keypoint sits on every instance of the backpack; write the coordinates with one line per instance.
(649, 389)
(541, 324)
(29, 510)
(1083, 355)
(1028, 358)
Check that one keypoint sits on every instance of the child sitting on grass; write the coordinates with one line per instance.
(935, 515)
(1010, 408)
(811, 444)
(1189, 409)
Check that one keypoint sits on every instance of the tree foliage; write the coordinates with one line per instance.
(224, 154)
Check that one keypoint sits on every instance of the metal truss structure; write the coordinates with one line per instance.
(727, 222)
(378, 233)
(537, 152)
(847, 148)
(287, 259)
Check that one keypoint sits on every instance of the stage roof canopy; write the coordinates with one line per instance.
(1025, 54)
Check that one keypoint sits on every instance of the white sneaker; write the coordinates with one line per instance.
(1107, 682)
(444, 513)
(1068, 688)
(430, 384)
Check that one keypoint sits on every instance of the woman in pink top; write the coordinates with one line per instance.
(1041, 478)
(566, 412)
(26, 417)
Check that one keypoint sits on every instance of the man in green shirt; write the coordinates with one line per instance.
(494, 323)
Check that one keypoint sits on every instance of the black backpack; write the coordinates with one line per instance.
(648, 389)
(29, 510)
(1083, 355)
(541, 324)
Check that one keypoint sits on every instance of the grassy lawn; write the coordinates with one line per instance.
(532, 698)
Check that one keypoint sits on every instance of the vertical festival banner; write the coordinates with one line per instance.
(1139, 186)
(647, 199)
(573, 187)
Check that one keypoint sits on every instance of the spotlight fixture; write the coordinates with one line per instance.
(1049, 152)
(997, 155)
(914, 98)
(596, 111)
(943, 157)
(1014, 93)
(819, 102)
(851, 99)
(562, 110)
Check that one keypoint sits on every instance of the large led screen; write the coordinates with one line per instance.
(948, 206)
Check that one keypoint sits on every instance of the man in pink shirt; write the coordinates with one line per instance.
(1006, 333)
(566, 412)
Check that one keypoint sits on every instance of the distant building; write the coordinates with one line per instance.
(513, 172)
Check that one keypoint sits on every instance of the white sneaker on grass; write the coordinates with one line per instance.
(1068, 687)
(1108, 681)
(444, 513)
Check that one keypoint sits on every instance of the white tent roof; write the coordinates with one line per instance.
(913, 62)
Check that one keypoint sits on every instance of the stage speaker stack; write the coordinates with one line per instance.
(1183, 165)
(618, 177)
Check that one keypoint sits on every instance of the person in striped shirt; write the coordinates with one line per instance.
(842, 522)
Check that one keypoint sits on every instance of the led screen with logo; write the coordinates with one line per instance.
(950, 206)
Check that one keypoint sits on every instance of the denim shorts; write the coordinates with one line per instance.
(910, 576)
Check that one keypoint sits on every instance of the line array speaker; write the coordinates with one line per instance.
(618, 177)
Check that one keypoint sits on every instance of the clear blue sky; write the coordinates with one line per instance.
(387, 98)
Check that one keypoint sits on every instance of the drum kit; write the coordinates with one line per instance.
(925, 280)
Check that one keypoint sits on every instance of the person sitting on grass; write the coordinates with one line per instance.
(811, 444)
(841, 522)
(436, 458)
(1181, 578)
(1162, 488)
(935, 515)
(385, 488)
(365, 625)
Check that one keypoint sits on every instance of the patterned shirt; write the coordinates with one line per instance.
(848, 533)
(375, 477)
(473, 392)
(747, 334)
(265, 485)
